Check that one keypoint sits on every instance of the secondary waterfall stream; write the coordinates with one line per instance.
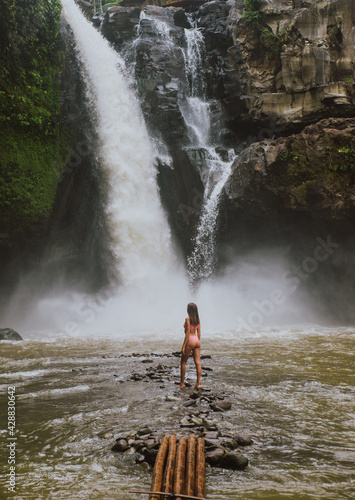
(202, 262)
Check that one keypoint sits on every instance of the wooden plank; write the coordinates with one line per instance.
(169, 467)
(200, 468)
(190, 465)
(158, 470)
(171, 495)
(180, 467)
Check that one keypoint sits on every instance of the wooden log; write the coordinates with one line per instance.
(190, 465)
(169, 467)
(200, 468)
(180, 466)
(158, 470)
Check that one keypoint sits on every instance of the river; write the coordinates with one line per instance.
(293, 392)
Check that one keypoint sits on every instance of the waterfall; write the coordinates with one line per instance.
(140, 234)
(196, 110)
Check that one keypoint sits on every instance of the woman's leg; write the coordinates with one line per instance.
(197, 355)
(184, 358)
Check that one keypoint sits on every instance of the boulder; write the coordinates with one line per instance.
(214, 456)
(223, 405)
(243, 440)
(233, 460)
(9, 334)
(119, 24)
(121, 445)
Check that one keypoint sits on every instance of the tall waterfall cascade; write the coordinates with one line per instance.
(196, 110)
(140, 234)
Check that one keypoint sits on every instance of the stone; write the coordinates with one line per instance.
(211, 443)
(121, 445)
(144, 431)
(150, 455)
(9, 334)
(189, 403)
(211, 435)
(196, 420)
(149, 443)
(131, 451)
(243, 440)
(171, 398)
(229, 443)
(223, 405)
(214, 456)
(185, 422)
(233, 460)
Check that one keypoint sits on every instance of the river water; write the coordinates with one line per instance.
(293, 392)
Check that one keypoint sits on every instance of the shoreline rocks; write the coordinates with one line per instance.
(221, 447)
(9, 334)
(193, 414)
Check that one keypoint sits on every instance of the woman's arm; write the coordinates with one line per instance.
(199, 331)
(187, 330)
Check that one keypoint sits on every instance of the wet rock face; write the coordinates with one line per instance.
(119, 24)
(307, 81)
(309, 172)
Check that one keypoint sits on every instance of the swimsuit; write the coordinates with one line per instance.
(193, 329)
(193, 340)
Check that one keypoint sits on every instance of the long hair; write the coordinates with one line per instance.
(192, 311)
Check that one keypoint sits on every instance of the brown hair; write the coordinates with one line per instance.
(192, 311)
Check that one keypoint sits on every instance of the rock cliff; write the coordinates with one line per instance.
(297, 65)
(267, 79)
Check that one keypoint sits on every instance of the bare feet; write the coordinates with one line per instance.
(197, 387)
(182, 385)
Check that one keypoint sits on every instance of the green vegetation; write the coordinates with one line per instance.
(30, 61)
(346, 160)
(289, 155)
(28, 177)
(269, 42)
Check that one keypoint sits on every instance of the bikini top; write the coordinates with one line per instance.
(192, 327)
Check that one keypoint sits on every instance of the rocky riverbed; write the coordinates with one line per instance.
(202, 412)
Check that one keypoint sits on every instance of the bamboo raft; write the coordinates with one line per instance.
(179, 470)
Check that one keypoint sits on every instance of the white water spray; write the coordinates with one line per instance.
(140, 233)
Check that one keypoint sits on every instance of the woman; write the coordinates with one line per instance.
(191, 343)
